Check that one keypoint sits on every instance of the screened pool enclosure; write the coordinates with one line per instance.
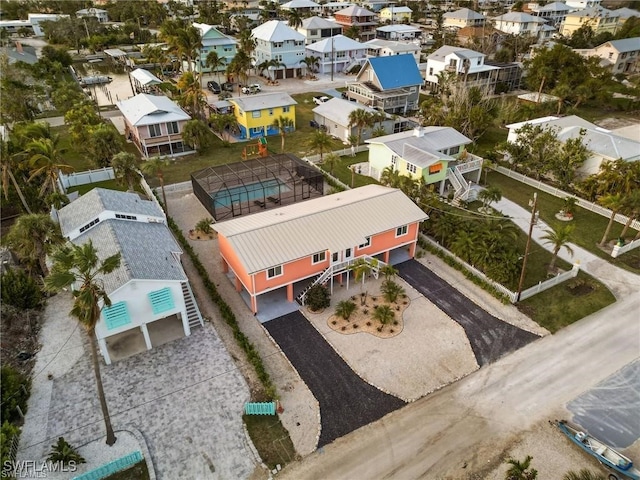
(251, 186)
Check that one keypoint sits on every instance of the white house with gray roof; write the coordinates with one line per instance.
(154, 123)
(519, 23)
(337, 54)
(460, 62)
(619, 56)
(387, 48)
(603, 144)
(398, 32)
(151, 299)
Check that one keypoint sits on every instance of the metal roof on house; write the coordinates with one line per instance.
(332, 222)
(147, 251)
(553, 7)
(276, 31)
(392, 45)
(464, 14)
(355, 11)
(422, 146)
(625, 12)
(399, 9)
(318, 23)
(300, 4)
(396, 71)
(624, 45)
(338, 110)
(441, 53)
(251, 103)
(337, 43)
(145, 77)
(399, 28)
(93, 203)
(145, 109)
(518, 17)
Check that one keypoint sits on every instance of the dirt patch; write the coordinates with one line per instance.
(19, 333)
(578, 287)
(611, 123)
(199, 235)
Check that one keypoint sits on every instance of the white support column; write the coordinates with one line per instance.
(185, 323)
(145, 334)
(102, 343)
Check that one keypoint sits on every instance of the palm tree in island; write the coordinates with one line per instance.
(320, 142)
(558, 238)
(80, 265)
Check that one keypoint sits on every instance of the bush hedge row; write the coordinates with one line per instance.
(452, 262)
(226, 313)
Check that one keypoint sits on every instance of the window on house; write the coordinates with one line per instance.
(334, 257)
(172, 127)
(394, 160)
(400, 231)
(89, 225)
(430, 70)
(366, 243)
(155, 131)
(313, 33)
(433, 169)
(271, 112)
(411, 168)
(286, 109)
(454, 150)
(319, 257)
(126, 217)
(256, 114)
(274, 272)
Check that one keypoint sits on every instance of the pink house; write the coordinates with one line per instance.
(154, 123)
(316, 241)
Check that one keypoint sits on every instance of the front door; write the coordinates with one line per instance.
(343, 256)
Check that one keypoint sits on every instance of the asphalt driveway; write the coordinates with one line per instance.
(346, 401)
(490, 337)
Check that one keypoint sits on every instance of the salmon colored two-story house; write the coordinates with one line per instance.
(293, 247)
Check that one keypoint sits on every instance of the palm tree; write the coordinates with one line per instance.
(345, 309)
(520, 470)
(155, 166)
(9, 161)
(613, 202)
(490, 195)
(320, 142)
(283, 124)
(214, 62)
(391, 177)
(360, 119)
(221, 123)
(57, 200)
(361, 268)
(188, 43)
(125, 168)
(388, 271)
(80, 265)
(464, 244)
(558, 239)
(294, 18)
(311, 62)
(631, 209)
(32, 238)
(391, 290)
(191, 94)
(46, 159)
(239, 66)
(384, 314)
(583, 474)
(332, 161)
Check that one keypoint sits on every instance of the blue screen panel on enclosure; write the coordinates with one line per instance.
(250, 192)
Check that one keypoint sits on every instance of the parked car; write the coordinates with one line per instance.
(214, 86)
(253, 88)
(320, 99)
(227, 87)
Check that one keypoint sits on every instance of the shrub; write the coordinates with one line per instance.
(13, 395)
(65, 453)
(7, 433)
(384, 314)
(318, 298)
(391, 290)
(345, 309)
(204, 226)
(20, 290)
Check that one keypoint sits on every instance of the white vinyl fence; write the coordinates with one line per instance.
(513, 296)
(82, 178)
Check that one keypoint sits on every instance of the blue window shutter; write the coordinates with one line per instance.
(116, 315)
(161, 300)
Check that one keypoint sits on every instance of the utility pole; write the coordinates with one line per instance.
(332, 60)
(526, 249)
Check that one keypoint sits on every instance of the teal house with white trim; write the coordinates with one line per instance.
(151, 299)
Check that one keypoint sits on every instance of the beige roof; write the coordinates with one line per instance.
(333, 222)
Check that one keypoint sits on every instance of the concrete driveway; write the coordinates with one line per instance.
(490, 337)
(346, 401)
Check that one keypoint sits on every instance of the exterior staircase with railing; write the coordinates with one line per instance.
(193, 312)
(460, 184)
(338, 268)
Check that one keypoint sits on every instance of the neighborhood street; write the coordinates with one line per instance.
(460, 429)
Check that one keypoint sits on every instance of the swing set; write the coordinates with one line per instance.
(259, 148)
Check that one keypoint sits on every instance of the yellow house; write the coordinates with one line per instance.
(599, 19)
(396, 14)
(255, 114)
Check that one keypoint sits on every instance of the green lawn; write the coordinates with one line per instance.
(589, 227)
(343, 173)
(271, 439)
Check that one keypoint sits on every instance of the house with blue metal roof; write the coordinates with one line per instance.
(151, 299)
(390, 84)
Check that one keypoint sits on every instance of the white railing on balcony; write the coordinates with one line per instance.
(342, 267)
(470, 165)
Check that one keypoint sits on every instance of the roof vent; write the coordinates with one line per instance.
(418, 132)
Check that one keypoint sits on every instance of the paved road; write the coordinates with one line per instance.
(476, 417)
(490, 337)
(346, 401)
